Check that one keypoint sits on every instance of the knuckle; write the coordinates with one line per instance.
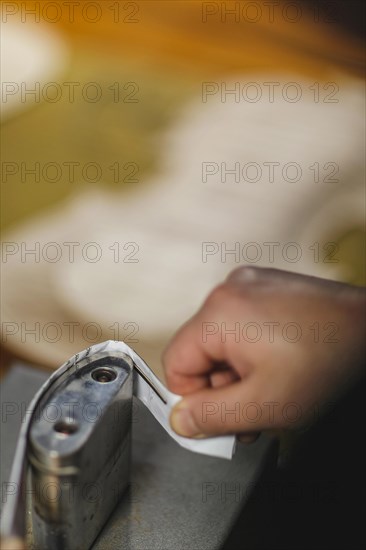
(245, 274)
(226, 298)
(218, 295)
(220, 299)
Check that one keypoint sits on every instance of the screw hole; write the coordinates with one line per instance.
(103, 375)
(65, 427)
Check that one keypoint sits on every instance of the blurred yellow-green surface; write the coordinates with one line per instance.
(161, 52)
(149, 60)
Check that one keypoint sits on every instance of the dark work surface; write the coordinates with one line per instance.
(318, 501)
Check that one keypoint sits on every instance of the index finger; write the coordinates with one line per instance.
(187, 361)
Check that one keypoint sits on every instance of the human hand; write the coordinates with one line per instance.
(266, 350)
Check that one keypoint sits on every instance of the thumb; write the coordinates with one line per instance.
(230, 409)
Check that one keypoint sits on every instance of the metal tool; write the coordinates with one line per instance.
(72, 462)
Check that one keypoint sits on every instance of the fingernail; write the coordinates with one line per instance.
(182, 421)
(248, 438)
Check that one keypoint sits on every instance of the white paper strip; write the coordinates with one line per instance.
(219, 446)
(160, 401)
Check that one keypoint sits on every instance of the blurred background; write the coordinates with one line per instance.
(149, 148)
